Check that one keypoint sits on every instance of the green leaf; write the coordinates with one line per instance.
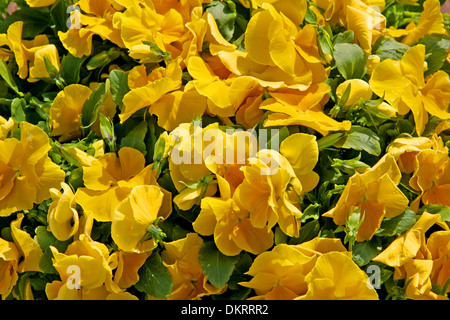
(360, 138)
(307, 232)
(344, 37)
(75, 179)
(71, 68)
(45, 239)
(349, 166)
(135, 138)
(388, 48)
(119, 85)
(277, 138)
(156, 54)
(35, 21)
(397, 225)
(59, 12)
(107, 131)
(329, 140)
(312, 211)
(215, 265)
(350, 60)
(5, 73)
(443, 211)
(101, 59)
(224, 12)
(436, 47)
(18, 110)
(51, 69)
(154, 279)
(363, 252)
(280, 236)
(91, 107)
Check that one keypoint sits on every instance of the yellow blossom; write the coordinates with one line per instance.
(280, 274)
(403, 85)
(84, 271)
(65, 112)
(6, 126)
(134, 215)
(9, 259)
(110, 179)
(181, 259)
(97, 19)
(304, 108)
(336, 277)
(375, 193)
(63, 218)
(431, 174)
(232, 229)
(25, 168)
(405, 150)
(24, 50)
(39, 69)
(40, 3)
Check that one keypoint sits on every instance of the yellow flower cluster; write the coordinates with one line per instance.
(146, 139)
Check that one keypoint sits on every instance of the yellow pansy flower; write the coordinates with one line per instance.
(403, 85)
(84, 271)
(21, 255)
(39, 69)
(65, 112)
(431, 174)
(159, 83)
(128, 265)
(28, 248)
(6, 126)
(375, 193)
(405, 150)
(163, 29)
(364, 18)
(366, 21)
(359, 89)
(188, 170)
(302, 152)
(9, 260)
(419, 261)
(336, 277)
(408, 245)
(134, 215)
(280, 274)
(5, 53)
(269, 193)
(304, 108)
(40, 3)
(210, 85)
(438, 244)
(23, 50)
(232, 229)
(181, 259)
(63, 220)
(26, 169)
(178, 107)
(110, 179)
(96, 20)
(430, 22)
(280, 51)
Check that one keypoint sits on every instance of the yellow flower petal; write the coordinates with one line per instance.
(28, 248)
(146, 96)
(65, 111)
